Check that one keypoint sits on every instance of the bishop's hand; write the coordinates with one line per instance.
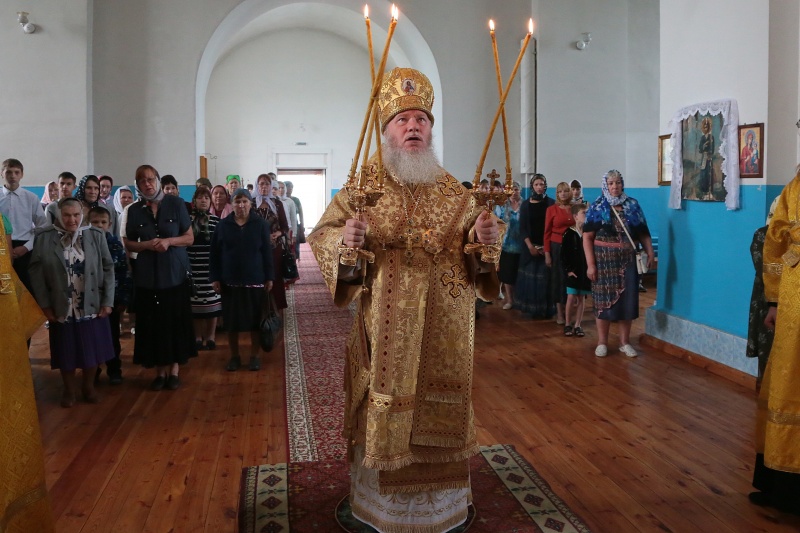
(354, 233)
(486, 229)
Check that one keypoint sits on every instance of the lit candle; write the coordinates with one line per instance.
(503, 97)
(500, 94)
(369, 43)
(374, 95)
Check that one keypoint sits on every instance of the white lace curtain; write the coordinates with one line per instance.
(728, 148)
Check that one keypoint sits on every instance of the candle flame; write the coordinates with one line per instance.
(366, 11)
(530, 26)
(395, 12)
(491, 25)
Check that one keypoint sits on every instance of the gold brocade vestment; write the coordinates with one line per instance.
(408, 374)
(778, 422)
(24, 506)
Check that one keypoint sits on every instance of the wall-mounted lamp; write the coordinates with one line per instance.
(22, 18)
(586, 38)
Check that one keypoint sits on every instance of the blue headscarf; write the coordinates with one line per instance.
(80, 193)
(599, 212)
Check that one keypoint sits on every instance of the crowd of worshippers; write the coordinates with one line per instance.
(89, 254)
(557, 251)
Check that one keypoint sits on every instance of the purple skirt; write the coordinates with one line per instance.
(84, 344)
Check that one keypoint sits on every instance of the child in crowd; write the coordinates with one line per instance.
(100, 218)
(577, 192)
(573, 261)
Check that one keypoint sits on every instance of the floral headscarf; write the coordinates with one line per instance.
(599, 212)
(68, 238)
(614, 200)
(534, 194)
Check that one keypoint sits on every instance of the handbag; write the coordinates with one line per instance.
(641, 256)
(270, 324)
(289, 262)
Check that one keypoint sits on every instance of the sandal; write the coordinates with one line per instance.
(568, 331)
(579, 331)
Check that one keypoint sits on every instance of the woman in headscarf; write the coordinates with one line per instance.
(611, 260)
(558, 219)
(123, 197)
(233, 183)
(290, 209)
(88, 192)
(532, 295)
(50, 194)
(206, 304)
(159, 230)
(220, 202)
(72, 274)
(270, 208)
(241, 271)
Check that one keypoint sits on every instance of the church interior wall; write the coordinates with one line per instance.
(705, 271)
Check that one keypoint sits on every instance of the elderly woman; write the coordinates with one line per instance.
(159, 230)
(558, 219)
(611, 260)
(241, 270)
(512, 244)
(233, 183)
(271, 209)
(532, 294)
(206, 303)
(220, 202)
(73, 281)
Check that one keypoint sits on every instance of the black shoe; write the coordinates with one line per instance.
(173, 382)
(115, 379)
(211, 345)
(762, 499)
(198, 344)
(158, 383)
(641, 288)
(233, 364)
(255, 363)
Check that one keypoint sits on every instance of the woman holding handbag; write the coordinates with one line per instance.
(241, 270)
(614, 222)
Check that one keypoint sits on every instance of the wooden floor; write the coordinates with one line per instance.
(631, 445)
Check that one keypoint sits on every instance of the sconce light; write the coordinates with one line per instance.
(22, 18)
(586, 38)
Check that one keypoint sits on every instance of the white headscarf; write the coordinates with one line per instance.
(118, 198)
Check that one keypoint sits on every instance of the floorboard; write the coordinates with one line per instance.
(650, 444)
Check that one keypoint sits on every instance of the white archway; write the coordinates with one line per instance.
(344, 17)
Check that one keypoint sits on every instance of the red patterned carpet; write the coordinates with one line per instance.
(316, 331)
(508, 494)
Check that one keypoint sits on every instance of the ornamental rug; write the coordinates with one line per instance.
(315, 335)
(508, 495)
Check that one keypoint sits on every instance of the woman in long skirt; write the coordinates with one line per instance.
(532, 295)
(206, 304)
(159, 230)
(270, 208)
(76, 304)
(241, 271)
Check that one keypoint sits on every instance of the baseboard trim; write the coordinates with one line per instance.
(737, 376)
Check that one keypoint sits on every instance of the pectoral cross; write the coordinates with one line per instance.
(412, 238)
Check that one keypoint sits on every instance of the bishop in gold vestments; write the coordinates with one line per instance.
(777, 471)
(408, 376)
(24, 507)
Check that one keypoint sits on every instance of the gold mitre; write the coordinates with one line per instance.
(404, 89)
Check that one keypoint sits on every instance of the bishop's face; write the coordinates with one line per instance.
(409, 130)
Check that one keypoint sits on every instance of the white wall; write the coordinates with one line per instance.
(43, 95)
(282, 88)
(597, 108)
(783, 143)
(715, 49)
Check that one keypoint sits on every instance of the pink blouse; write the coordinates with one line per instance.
(557, 220)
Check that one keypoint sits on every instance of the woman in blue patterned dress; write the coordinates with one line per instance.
(611, 260)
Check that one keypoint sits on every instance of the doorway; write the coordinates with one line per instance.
(309, 188)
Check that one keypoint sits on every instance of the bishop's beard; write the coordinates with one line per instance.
(412, 167)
